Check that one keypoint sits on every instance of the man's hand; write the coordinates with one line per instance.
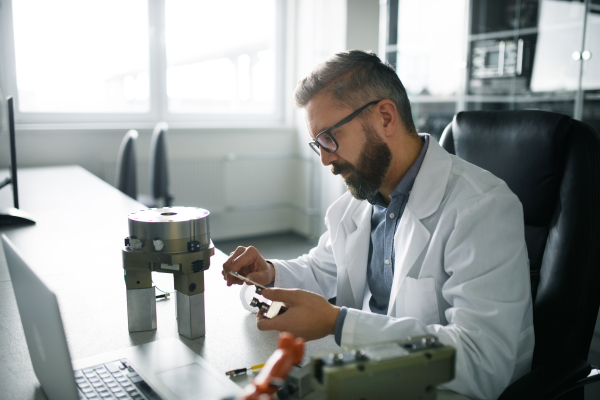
(309, 315)
(248, 262)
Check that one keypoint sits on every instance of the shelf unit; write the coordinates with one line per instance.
(495, 55)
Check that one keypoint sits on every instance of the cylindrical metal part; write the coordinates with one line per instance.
(170, 223)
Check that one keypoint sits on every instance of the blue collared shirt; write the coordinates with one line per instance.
(385, 219)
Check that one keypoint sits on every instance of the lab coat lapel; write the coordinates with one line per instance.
(409, 241)
(353, 276)
(425, 198)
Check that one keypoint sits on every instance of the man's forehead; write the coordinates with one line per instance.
(322, 112)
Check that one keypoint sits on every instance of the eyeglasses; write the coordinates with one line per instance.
(326, 140)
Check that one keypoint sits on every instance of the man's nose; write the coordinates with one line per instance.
(327, 157)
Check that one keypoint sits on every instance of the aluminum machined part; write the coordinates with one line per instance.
(170, 223)
(409, 369)
(142, 263)
(173, 240)
(141, 309)
(190, 315)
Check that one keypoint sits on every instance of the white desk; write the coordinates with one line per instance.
(75, 247)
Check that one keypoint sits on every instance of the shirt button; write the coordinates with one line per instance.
(391, 215)
(387, 261)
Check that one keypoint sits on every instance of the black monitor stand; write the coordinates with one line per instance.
(12, 215)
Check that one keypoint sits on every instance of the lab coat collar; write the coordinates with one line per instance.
(430, 185)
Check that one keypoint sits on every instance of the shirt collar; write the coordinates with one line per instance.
(406, 183)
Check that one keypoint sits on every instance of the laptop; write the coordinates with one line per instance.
(164, 369)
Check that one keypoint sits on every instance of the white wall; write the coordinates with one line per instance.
(362, 31)
(325, 28)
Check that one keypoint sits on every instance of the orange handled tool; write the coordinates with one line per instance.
(289, 353)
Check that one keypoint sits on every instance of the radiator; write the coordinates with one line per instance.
(198, 183)
(233, 183)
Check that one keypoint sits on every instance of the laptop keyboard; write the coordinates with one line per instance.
(113, 380)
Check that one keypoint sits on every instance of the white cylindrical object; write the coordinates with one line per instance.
(247, 293)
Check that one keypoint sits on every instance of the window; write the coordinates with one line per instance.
(220, 65)
(143, 60)
(81, 56)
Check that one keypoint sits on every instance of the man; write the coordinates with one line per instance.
(422, 243)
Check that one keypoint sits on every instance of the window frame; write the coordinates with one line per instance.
(158, 81)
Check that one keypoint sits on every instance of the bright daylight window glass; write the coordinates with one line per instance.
(220, 56)
(78, 56)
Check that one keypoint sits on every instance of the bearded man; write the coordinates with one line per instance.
(422, 243)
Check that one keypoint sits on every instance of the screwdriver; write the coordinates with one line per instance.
(240, 371)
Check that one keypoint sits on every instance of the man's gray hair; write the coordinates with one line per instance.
(355, 78)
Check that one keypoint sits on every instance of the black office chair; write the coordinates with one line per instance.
(126, 176)
(552, 163)
(159, 172)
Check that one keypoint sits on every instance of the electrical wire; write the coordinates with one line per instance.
(160, 290)
(157, 288)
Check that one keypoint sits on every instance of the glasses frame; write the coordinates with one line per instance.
(314, 144)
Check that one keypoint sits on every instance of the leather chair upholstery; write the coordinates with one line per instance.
(159, 174)
(552, 163)
(158, 170)
(126, 174)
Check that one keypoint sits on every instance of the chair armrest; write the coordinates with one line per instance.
(548, 380)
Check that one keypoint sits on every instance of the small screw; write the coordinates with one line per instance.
(338, 358)
(360, 354)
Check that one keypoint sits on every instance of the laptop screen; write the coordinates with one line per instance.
(43, 327)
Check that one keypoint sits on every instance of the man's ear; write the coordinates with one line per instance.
(388, 115)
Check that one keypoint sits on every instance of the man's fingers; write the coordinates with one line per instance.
(232, 280)
(266, 324)
(259, 276)
(239, 262)
(244, 258)
(232, 256)
(227, 266)
(285, 295)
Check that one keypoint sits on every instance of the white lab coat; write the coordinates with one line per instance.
(461, 272)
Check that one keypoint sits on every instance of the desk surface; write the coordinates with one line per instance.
(75, 247)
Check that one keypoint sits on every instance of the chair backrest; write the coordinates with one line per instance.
(552, 163)
(159, 172)
(126, 176)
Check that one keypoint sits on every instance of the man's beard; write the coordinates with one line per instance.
(374, 160)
